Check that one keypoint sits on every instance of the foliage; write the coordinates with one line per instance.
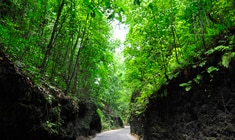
(220, 48)
(67, 44)
(167, 36)
(211, 69)
(187, 85)
(226, 58)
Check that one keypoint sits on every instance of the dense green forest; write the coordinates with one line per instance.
(166, 37)
(69, 44)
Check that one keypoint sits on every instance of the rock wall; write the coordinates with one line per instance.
(205, 112)
(30, 112)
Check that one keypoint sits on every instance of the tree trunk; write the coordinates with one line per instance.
(50, 44)
(173, 33)
(201, 26)
(77, 63)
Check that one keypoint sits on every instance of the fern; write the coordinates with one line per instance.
(220, 48)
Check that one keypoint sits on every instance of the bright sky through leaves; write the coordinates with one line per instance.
(120, 30)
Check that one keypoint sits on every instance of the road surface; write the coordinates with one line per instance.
(119, 134)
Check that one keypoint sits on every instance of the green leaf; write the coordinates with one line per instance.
(226, 59)
(187, 85)
(202, 63)
(198, 79)
(211, 69)
(188, 88)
